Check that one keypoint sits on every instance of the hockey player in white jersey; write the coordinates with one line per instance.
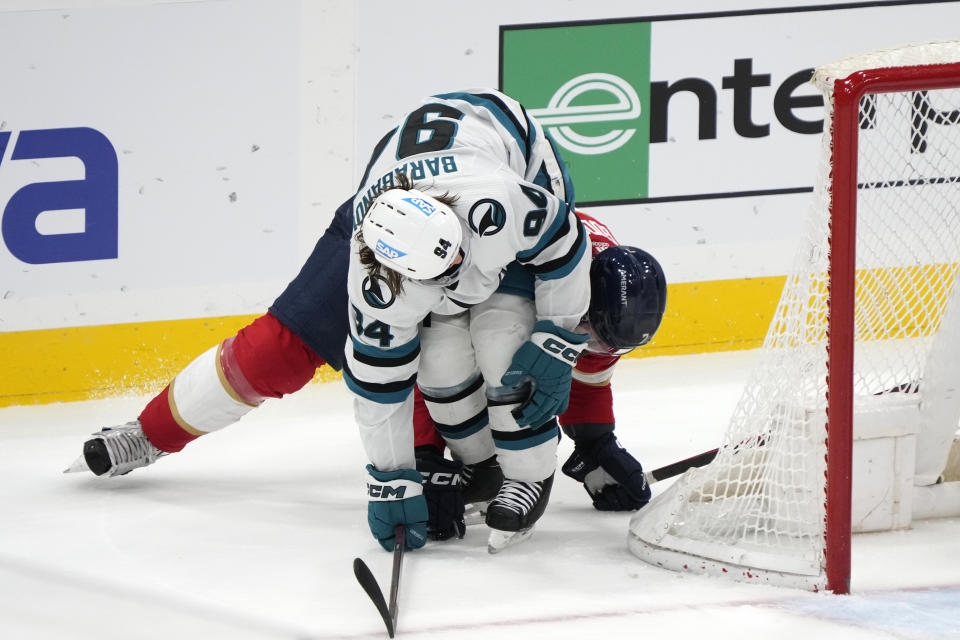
(514, 202)
(465, 186)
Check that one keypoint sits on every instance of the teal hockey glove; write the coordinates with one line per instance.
(396, 497)
(546, 363)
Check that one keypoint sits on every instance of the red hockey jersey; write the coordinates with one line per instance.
(591, 396)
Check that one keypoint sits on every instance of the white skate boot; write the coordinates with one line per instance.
(115, 451)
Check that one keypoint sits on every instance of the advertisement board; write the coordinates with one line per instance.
(148, 161)
(690, 129)
(166, 166)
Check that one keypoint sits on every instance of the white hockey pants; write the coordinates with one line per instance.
(462, 360)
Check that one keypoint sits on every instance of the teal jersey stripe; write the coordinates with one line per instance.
(465, 429)
(531, 129)
(381, 393)
(567, 180)
(394, 353)
(381, 397)
(564, 270)
(527, 443)
(517, 281)
(548, 234)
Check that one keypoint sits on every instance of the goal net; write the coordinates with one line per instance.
(866, 333)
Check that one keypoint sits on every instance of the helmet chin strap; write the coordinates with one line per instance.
(454, 266)
(452, 274)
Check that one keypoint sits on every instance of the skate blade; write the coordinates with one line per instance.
(475, 513)
(500, 540)
(80, 464)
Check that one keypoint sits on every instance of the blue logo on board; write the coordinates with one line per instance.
(97, 194)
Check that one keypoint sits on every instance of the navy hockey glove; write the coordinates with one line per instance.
(443, 490)
(612, 477)
(546, 361)
(396, 497)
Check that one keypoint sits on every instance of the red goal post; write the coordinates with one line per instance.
(847, 95)
(860, 331)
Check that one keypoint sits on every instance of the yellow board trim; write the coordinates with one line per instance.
(81, 363)
(718, 315)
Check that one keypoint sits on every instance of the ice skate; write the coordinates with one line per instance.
(516, 509)
(481, 481)
(115, 451)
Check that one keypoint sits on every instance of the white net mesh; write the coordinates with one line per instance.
(758, 510)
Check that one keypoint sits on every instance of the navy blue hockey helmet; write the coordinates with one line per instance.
(628, 295)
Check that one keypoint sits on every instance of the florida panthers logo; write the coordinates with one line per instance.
(376, 293)
(487, 217)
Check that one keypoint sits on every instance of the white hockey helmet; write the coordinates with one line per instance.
(412, 233)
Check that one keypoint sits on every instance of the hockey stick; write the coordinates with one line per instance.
(523, 393)
(676, 468)
(520, 394)
(369, 583)
(699, 460)
(398, 547)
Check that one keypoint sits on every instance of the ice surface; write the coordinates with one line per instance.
(250, 533)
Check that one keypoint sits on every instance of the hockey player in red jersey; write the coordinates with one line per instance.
(628, 299)
(275, 355)
(279, 353)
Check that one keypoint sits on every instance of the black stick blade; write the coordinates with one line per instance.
(369, 584)
(676, 468)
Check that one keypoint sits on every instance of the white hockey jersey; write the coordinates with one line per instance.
(515, 202)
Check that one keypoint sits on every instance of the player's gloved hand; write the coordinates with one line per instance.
(396, 497)
(546, 361)
(443, 490)
(612, 477)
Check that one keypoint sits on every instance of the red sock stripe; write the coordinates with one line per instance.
(227, 359)
(264, 360)
(161, 428)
